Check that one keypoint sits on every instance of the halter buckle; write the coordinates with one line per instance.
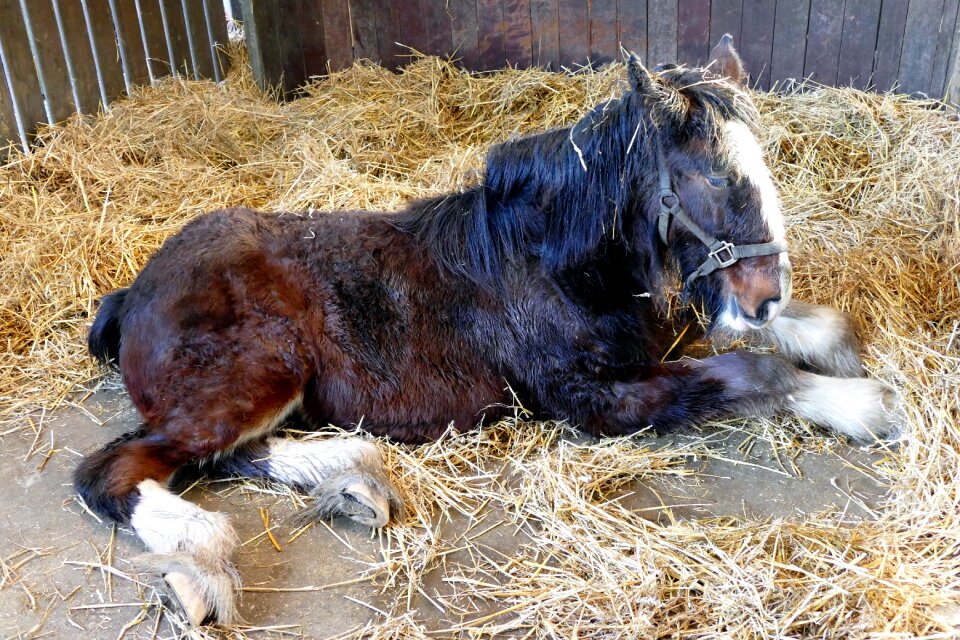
(724, 248)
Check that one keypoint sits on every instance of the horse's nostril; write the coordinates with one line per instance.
(766, 308)
(763, 313)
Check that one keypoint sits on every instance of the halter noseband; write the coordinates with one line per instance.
(722, 253)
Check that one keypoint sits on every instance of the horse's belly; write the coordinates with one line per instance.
(417, 406)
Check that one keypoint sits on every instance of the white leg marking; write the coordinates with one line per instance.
(857, 407)
(168, 524)
(309, 463)
(346, 478)
(192, 547)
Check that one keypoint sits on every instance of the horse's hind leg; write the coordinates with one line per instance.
(126, 481)
(345, 476)
(814, 337)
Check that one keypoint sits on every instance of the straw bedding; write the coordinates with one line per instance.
(871, 189)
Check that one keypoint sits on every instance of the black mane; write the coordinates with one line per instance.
(559, 195)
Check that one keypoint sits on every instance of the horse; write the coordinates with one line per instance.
(548, 280)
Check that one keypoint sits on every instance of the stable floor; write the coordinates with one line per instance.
(64, 574)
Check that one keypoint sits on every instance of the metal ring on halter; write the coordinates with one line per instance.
(730, 249)
(667, 195)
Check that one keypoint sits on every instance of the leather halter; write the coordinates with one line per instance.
(722, 253)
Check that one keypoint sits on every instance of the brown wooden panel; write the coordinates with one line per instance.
(604, 45)
(218, 38)
(756, 40)
(517, 37)
(490, 34)
(861, 20)
(463, 29)
(824, 32)
(19, 62)
(413, 29)
(662, 36)
(789, 41)
(388, 32)
(574, 27)
(632, 15)
(693, 32)
(364, 17)
(132, 41)
(336, 33)
(439, 40)
(290, 37)
(919, 45)
(545, 33)
(263, 45)
(51, 60)
(726, 16)
(310, 17)
(201, 54)
(945, 45)
(154, 39)
(886, 65)
(85, 84)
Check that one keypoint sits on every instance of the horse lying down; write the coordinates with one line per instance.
(548, 279)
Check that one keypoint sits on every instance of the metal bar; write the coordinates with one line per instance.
(190, 43)
(66, 54)
(17, 116)
(143, 42)
(47, 105)
(166, 35)
(213, 43)
(96, 55)
(121, 45)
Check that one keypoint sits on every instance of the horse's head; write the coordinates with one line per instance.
(718, 210)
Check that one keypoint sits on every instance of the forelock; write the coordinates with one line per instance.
(698, 102)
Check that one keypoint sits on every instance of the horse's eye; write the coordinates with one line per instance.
(718, 182)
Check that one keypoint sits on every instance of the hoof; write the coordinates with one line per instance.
(203, 588)
(364, 496)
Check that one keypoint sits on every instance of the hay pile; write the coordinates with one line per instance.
(871, 188)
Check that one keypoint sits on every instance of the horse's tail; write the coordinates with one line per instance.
(104, 339)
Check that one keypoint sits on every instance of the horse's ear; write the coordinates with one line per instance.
(725, 61)
(640, 79)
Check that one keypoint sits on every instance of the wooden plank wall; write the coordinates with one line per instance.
(864, 43)
(59, 57)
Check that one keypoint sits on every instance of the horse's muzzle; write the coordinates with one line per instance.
(755, 297)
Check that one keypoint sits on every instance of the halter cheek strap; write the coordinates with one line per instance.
(722, 253)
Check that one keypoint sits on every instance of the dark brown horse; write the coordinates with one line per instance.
(548, 278)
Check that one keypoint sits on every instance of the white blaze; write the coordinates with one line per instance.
(746, 152)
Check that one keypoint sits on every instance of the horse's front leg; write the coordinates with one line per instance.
(814, 337)
(740, 383)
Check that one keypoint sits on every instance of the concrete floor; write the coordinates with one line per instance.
(52, 584)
